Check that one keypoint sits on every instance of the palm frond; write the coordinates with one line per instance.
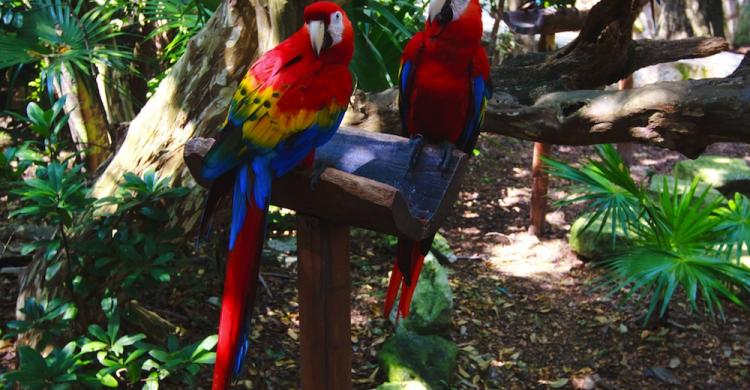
(60, 35)
(734, 222)
(606, 186)
(654, 271)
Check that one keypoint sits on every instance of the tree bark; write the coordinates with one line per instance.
(684, 116)
(539, 177)
(87, 120)
(191, 101)
(626, 148)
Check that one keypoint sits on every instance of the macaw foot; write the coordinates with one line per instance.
(317, 171)
(447, 153)
(416, 144)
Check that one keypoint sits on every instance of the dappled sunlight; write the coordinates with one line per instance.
(527, 256)
(514, 196)
(520, 173)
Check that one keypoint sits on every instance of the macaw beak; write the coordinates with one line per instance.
(440, 11)
(317, 30)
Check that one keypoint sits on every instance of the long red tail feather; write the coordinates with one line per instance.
(393, 285)
(406, 268)
(240, 285)
(407, 291)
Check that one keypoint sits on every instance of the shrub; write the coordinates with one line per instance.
(678, 240)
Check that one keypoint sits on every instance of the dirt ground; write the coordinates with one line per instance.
(525, 314)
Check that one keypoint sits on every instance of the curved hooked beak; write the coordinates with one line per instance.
(317, 30)
(440, 11)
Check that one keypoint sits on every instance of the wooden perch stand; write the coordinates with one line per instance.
(369, 186)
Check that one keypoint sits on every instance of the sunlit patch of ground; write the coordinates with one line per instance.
(526, 256)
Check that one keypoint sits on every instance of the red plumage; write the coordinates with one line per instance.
(443, 88)
(289, 102)
(240, 286)
(445, 59)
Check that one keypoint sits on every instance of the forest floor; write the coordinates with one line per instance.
(525, 313)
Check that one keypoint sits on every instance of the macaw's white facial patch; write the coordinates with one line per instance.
(458, 7)
(336, 27)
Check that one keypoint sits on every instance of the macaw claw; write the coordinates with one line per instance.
(317, 171)
(416, 144)
(447, 152)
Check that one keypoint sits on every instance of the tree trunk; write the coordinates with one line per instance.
(88, 122)
(113, 87)
(277, 20)
(539, 177)
(191, 101)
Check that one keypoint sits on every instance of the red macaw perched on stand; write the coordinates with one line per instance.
(444, 86)
(289, 102)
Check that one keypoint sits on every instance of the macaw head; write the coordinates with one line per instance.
(459, 20)
(331, 32)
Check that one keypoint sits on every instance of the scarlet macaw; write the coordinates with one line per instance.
(290, 101)
(443, 88)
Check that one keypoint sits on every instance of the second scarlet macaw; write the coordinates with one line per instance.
(443, 89)
(290, 101)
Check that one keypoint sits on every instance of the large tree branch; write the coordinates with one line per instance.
(545, 21)
(603, 53)
(683, 116)
(647, 52)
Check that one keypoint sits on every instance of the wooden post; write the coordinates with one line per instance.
(324, 303)
(539, 178)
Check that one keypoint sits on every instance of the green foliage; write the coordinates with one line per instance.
(117, 355)
(51, 318)
(607, 187)
(61, 369)
(182, 363)
(46, 124)
(383, 28)
(61, 36)
(734, 219)
(679, 240)
(118, 255)
(107, 358)
(183, 18)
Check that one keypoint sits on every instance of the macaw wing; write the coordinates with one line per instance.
(252, 125)
(409, 63)
(480, 92)
(230, 148)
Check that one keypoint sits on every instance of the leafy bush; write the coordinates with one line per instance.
(106, 358)
(122, 250)
(51, 318)
(677, 240)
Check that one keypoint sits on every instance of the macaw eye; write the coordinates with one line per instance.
(336, 16)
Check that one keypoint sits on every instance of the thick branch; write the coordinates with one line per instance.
(603, 53)
(647, 52)
(545, 21)
(683, 116)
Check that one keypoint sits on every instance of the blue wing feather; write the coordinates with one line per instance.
(239, 204)
(293, 150)
(479, 94)
(404, 85)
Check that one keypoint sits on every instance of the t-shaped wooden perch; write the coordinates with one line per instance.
(369, 186)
